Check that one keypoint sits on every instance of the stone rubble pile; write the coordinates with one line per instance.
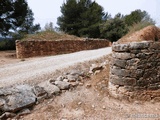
(17, 100)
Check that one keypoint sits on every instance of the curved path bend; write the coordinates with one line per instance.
(38, 69)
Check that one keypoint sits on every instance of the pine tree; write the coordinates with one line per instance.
(81, 18)
(138, 16)
(16, 16)
(114, 28)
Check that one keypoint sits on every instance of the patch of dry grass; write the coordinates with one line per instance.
(149, 33)
(51, 35)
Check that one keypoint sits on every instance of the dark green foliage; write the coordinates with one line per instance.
(138, 16)
(7, 44)
(114, 28)
(16, 17)
(16, 20)
(81, 18)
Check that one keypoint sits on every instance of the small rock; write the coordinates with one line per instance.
(6, 115)
(96, 72)
(60, 78)
(74, 84)
(72, 78)
(2, 102)
(93, 106)
(76, 72)
(65, 80)
(95, 68)
(88, 85)
(62, 85)
(104, 107)
(50, 88)
(81, 84)
(39, 91)
(137, 102)
(52, 81)
(63, 105)
(79, 103)
(63, 119)
(24, 112)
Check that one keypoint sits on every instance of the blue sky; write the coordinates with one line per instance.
(46, 11)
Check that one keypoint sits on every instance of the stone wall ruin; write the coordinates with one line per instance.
(134, 66)
(32, 48)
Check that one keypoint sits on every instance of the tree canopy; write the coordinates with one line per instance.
(114, 28)
(138, 16)
(81, 18)
(17, 17)
(86, 18)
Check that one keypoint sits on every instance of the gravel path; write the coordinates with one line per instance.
(39, 69)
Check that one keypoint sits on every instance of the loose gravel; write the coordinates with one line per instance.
(40, 69)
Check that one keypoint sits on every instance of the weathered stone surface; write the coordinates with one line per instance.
(6, 115)
(24, 112)
(120, 72)
(141, 45)
(62, 85)
(60, 78)
(133, 62)
(120, 47)
(155, 46)
(39, 91)
(122, 80)
(95, 67)
(17, 98)
(119, 63)
(31, 48)
(123, 56)
(72, 78)
(50, 88)
(136, 65)
(77, 73)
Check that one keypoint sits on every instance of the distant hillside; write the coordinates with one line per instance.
(49, 35)
(150, 33)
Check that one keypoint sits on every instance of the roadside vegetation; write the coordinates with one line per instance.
(89, 20)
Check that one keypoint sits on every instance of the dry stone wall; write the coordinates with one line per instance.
(134, 66)
(33, 48)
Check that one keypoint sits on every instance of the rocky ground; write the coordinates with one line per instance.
(80, 94)
(90, 100)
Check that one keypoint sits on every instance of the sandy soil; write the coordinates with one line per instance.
(7, 57)
(93, 103)
(149, 33)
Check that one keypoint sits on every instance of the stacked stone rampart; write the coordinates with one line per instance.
(134, 66)
(33, 48)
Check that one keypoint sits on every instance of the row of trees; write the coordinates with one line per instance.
(86, 18)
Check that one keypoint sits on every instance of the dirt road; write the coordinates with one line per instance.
(36, 70)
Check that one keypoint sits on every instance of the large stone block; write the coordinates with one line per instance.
(133, 62)
(155, 46)
(119, 63)
(136, 65)
(123, 56)
(120, 47)
(116, 80)
(120, 72)
(141, 45)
